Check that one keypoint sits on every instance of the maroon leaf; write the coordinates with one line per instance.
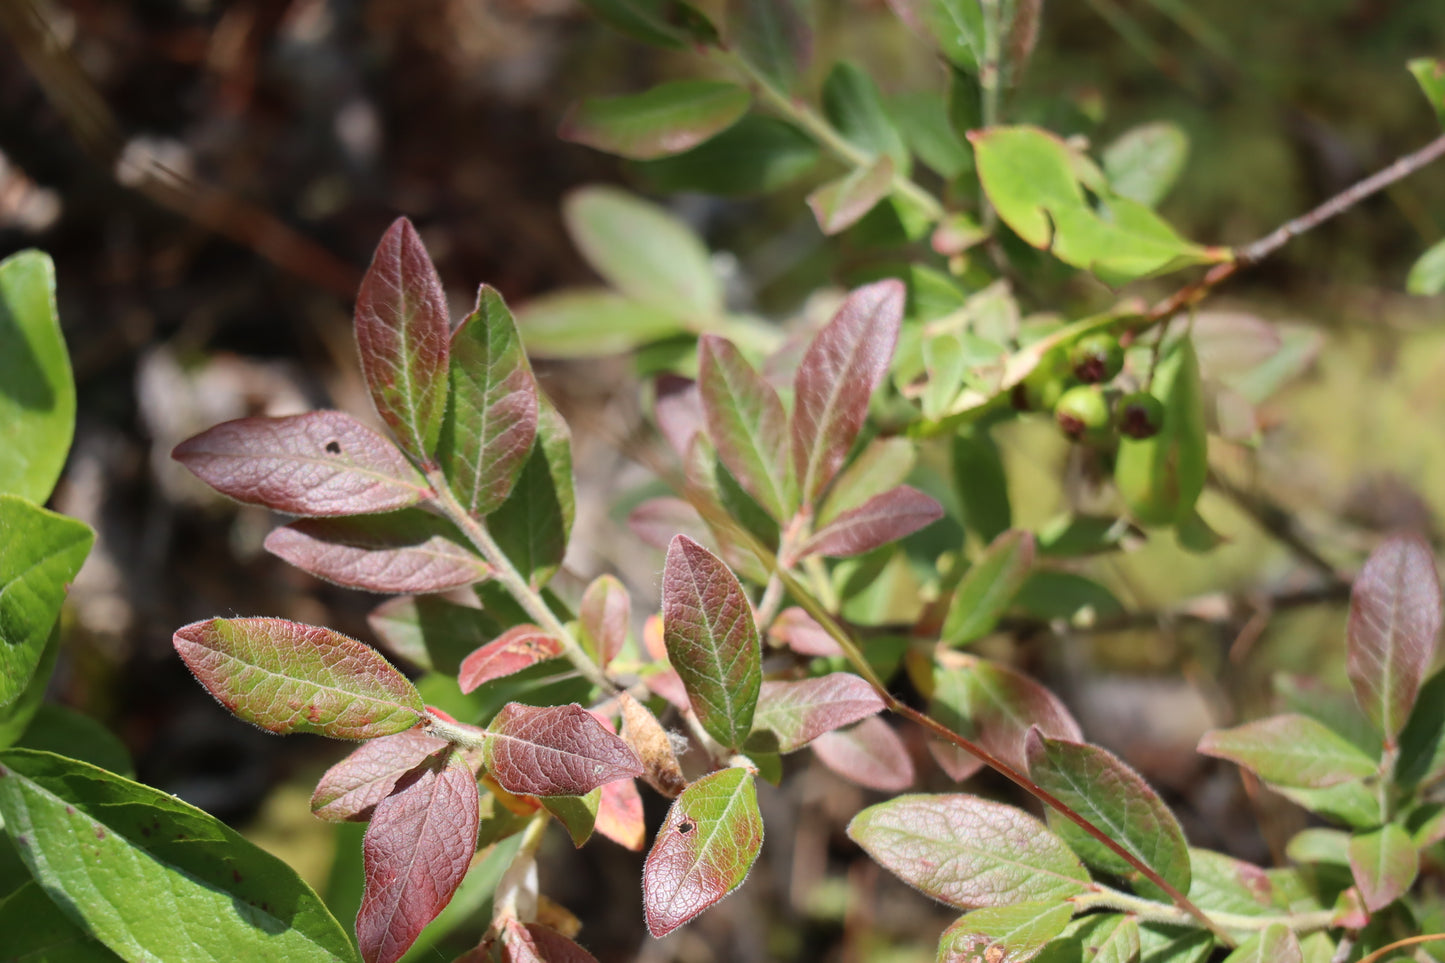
(842, 366)
(882, 519)
(415, 854)
(320, 463)
(657, 520)
(604, 615)
(1394, 628)
(555, 751)
(535, 943)
(712, 640)
(491, 415)
(800, 632)
(994, 706)
(677, 407)
(1384, 862)
(288, 677)
(402, 331)
(351, 789)
(514, 650)
(399, 553)
(703, 852)
(870, 754)
(799, 712)
(747, 424)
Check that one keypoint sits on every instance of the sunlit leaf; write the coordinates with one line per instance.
(1098, 938)
(1160, 478)
(882, 465)
(988, 588)
(798, 631)
(1290, 750)
(968, 852)
(668, 119)
(604, 615)
(1145, 161)
(1430, 73)
(841, 203)
(288, 677)
(712, 640)
(995, 707)
(1384, 862)
(555, 751)
(351, 789)
(1394, 629)
(535, 522)
(588, 322)
(747, 424)
(1427, 274)
(402, 329)
(956, 26)
(415, 853)
(516, 649)
(757, 155)
(1276, 943)
(37, 406)
(703, 852)
(796, 713)
(406, 551)
(135, 866)
(869, 753)
(535, 943)
(1012, 933)
(884, 518)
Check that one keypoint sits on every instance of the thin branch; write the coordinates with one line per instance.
(1278, 522)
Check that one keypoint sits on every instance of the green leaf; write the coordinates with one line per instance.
(852, 103)
(136, 866)
(1430, 73)
(650, 21)
(1160, 478)
(982, 486)
(747, 424)
(841, 203)
(430, 632)
(703, 852)
(1422, 741)
(1226, 885)
(988, 588)
(1014, 933)
(1030, 177)
(16, 716)
(1100, 787)
(1384, 862)
(879, 467)
(956, 26)
(1064, 595)
(757, 155)
(589, 322)
(968, 852)
(712, 640)
(922, 118)
(1276, 943)
(1353, 803)
(37, 929)
(1290, 750)
(1320, 845)
(644, 252)
(578, 814)
(774, 35)
(796, 713)
(37, 391)
(288, 677)
(42, 552)
(534, 524)
(65, 732)
(1145, 161)
(1100, 938)
(1427, 274)
(1173, 944)
(668, 119)
(491, 416)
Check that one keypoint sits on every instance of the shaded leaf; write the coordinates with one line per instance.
(65, 732)
(37, 406)
(881, 466)
(852, 103)
(535, 522)
(1320, 845)
(1099, 938)
(988, 588)
(516, 649)
(869, 753)
(1394, 629)
(320, 463)
(577, 814)
(415, 853)
(711, 640)
(15, 715)
(1276, 943)
(747, 424)
(841, 203)
(799, 712)
(1290, 750)
(757, 155)
(968, 852)
(289, 677)
(402, 330)
(1160, 478)
(1422, 741)
(650, 21)
(956, 26)
(703, 852)
(555, 751)
(619, 815)
(491, 413)
(351, 789)
(36, 928)
(42, 552)
(588, 322)
(1048, 594)
(773, 34)
(1427, 274)
(1384, 862)
(1159, 943)
(798, 631)
(535, 943)
(657, 520)
(110, 851)
(837, 376)
(921, 116)
(1145, 161)
(668, 119)
(429, 631)
(995, 707)
(885, 518)
(1014, 933)
(982, 486)
(407, 551)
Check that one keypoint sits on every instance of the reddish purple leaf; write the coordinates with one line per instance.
(415, 854)
(870, 754)
(555, 751)
(491, 417)
(677, 407)
(535, 943)
(841, 203)
(604, 616)
(799, 712)
(994, 706)
(320, 463)
(882, 519)
(351, 789)
(1394, 629)
(399, 553)
(619, 815)
(288, 677)
(842, 366)
(703, 852)
(402, 330)
(1384, 862)
(657, 520)
(800, 632)
(669, 685)
(712, 640)
(1290, 750)
(747, 424)
(516, 649)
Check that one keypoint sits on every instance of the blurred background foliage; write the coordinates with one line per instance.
(210, 177)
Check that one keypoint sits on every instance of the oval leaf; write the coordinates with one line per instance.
(402, 330)
(604, 615)
(800, 632)
(843, 365)
(619, 815)
(870, 754)
(351, 789)
(320, 463)
(995, 707)
(514, 650)
(1394, 629)
(746, 421)
(408, 551)
(712, 640)
(884, 518)
(668, 119)
(880, 467)
(1384, 862)
(1160, 478)
(110, 852)
(555, 751)
(535, 522)
(1145, 161)
(430, 632)
(799, 712)
(1276, 943)
(37, 407)
(757, 155)
(841, 203)
(415, 853)
(1290, 750)
(588, 322)
(1014, 934)
(289, 677)
(534, 943)
(707, 844)
(988, 588)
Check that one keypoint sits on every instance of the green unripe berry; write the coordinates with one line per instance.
(1097, 358)
(1083, 413)
(1042, 387)
(1140, 415)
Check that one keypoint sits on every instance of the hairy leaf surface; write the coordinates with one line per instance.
(796, 713)
(517, 648)
(351, 789)
(555, 751)
(397, 553)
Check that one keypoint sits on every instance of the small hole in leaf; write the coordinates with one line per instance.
(685, 826)
(333, 448)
